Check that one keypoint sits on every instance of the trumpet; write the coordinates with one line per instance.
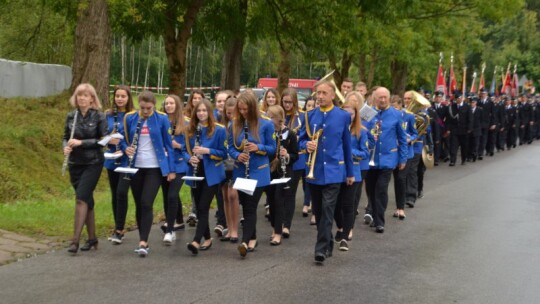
(246, 135)
(134, 146)
(66, 157)
(377, 132)
(197, 144)
(313, 155)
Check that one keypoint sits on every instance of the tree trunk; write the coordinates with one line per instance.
(146, 71)
(399, 77)
(362, 67)
(123, 57)
(372, 66)
(346, 62)
(176, 45)
(232, 58)
(284, 68)
(92, 51)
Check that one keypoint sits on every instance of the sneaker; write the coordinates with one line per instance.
(169, 238)
(219, 230)
(338, 237)
(142, 251)
(116, 238)
(343, 245)
(420, 194)
(164, 227)
(192, 220)
(368, 219)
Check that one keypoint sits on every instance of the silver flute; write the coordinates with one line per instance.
(66, 157)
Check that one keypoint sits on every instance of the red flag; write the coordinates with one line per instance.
(441, 86)
(515, 85)
(507, 84)
(453, 84)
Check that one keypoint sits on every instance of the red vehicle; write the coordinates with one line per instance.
(304, 86)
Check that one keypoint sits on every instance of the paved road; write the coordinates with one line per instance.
(474, 238)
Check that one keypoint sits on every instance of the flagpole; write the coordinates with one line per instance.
(464, 85)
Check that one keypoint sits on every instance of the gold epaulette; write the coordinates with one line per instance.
(300, 111)
(187, 118)
(218, 124)
(159, 112)
(265, 117)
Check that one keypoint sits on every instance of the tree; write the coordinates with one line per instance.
(91, 54)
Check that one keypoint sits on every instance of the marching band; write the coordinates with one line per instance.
(239, 150)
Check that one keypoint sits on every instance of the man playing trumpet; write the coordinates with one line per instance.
(330, 162)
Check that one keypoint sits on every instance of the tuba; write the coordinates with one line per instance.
(330, 77)
(418, 102)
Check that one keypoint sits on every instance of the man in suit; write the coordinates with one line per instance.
(499, 111)
(510, 125)
(487, 137)
(474, 137)
(459, 120)
(438, 127)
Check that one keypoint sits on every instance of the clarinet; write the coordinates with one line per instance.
(66, 158)
(246, 135)
(134, 146)
(282, 160)
(197, 144)
(117, 161)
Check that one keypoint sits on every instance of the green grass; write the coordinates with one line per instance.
(35, 198)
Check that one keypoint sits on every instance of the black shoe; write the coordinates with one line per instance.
(436, 164)
(305, 214)
(463, 163)
(286, 235)
(116, 238)
(410, 204)
(73, 248)
(452, 164)
(372, 224)
(225, 239)
(379, 229)
(89, 244)
(320, 257)
(177, 227)
(194, 250)
(203, 248)
(251, 249)
(480, 157)
(368, 219)
(234, 240)
(491, 154)
(420, 194)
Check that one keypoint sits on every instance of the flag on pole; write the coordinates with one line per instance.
(464, 82)
(453, 84)
(507, 83)
(482, 84)
(473, 85)
(515, 83)
(440, 80)
(493, 87)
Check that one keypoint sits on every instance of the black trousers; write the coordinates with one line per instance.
(84, 179)
(475, 149)
(324, 200)
(421, 171)
(220, 214)
(400, 185)
(411, 183)
(172, 204)
(358, 194)
(458, 141)
(377, 181)
(345, 207)
(511, 137)
(482, 142)
(119, 194)
(249, 208)
(203, 196)
(145, 186)
(501, 139)
(492, 139)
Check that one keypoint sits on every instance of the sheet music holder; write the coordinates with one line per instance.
(126, 170)
(193, 178)
(105, 140)
(367, 113)
(280, 181)
(115, 155)
(245, 185)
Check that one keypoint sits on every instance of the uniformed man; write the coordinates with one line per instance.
(440, 136)
(510, 123)
(486, 141)
(388, 142)
(474, 137)
(331, 156)
(459, 120)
